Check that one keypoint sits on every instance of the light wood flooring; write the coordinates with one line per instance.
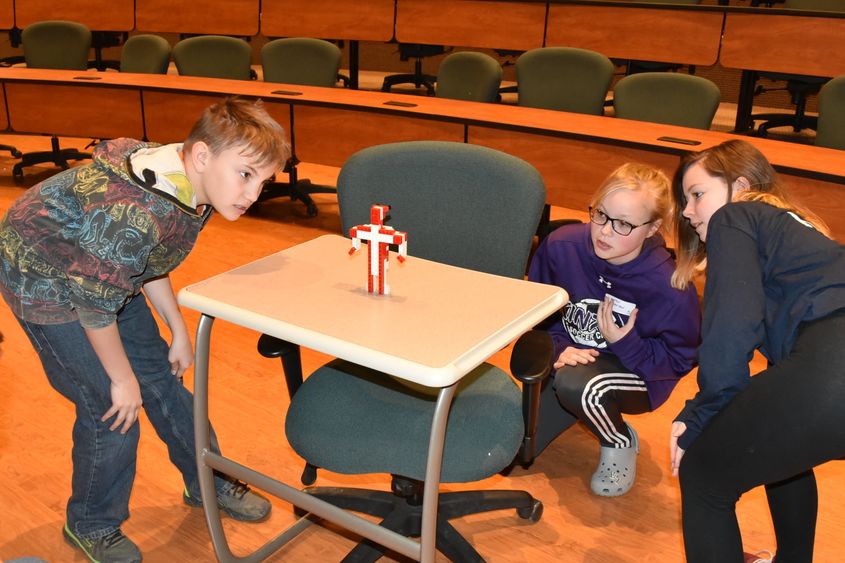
(247, 409)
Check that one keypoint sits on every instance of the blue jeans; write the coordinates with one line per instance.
(104, 460)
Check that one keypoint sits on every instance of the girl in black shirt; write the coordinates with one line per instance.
(775, 283)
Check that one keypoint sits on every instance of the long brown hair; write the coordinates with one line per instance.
(729, 161)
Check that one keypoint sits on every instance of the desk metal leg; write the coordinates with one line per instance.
(436, 442)
(745, 102)
(202, 438)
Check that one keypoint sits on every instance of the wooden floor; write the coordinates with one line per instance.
(247, 409)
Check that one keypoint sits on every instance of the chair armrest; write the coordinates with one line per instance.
(531, 358)
(531, 362)
(272, 347)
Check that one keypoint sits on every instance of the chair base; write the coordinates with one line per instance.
(402, 512)
(56, 155)
(299, 190)
(418, 79)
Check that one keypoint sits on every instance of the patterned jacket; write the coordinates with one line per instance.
(78, 245)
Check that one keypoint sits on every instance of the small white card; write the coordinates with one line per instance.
(622, 307)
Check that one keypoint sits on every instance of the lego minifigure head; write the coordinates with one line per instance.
(378, 214)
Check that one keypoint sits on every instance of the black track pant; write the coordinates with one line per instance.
(597, 394)
(789, 419)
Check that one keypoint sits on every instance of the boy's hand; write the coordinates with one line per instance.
(125, 403)
(181, 355)
(572, 356)
(608, 328)
(676, 453)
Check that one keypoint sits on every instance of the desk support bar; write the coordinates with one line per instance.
(208, 461)
(436, 443)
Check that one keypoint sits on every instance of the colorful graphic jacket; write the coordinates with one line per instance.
(78, 245)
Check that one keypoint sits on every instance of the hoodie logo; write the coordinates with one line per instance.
(604, 282)
(581, 323)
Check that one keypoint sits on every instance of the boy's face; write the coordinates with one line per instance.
(228, 181)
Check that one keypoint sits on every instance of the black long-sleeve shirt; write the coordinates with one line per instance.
(768, 271)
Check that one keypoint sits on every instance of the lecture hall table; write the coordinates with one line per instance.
(330, 298)
(573, 152)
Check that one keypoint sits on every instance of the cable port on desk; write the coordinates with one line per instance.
(680, 141)
(286, 92)
(400, 104)
(87, 78)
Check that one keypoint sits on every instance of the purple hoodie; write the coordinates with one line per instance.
(662, 347)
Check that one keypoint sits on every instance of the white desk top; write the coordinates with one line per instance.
(439, 322)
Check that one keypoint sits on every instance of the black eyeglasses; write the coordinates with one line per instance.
(622, 227)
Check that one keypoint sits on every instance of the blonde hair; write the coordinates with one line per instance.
(236, 122)
(729, 161)
(639, 178)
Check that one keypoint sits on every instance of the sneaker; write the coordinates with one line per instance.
(617, 469)
(764, 556)
(112, 548)
(238, 501)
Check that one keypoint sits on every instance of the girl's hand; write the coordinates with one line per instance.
(608, 328)
(181, 354)
(676, 453)
(125, 403)
(574, 356)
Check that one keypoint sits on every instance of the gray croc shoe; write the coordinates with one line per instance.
(617, 469)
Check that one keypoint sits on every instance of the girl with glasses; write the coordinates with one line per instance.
(775, 283)
(627, 334)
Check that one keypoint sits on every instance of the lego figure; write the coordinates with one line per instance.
(379, 236)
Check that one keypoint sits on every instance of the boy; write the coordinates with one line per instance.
(75, 252)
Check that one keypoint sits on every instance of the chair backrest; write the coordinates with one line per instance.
(667, 97)
(563, 78)
(301, 60)
(469, 75)
(56, 44)
(145, 54)
(213, 56)
(831, 130)
(460, 204)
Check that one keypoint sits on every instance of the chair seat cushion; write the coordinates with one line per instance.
(350, 419)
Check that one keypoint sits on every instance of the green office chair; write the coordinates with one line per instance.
(831, 131)
(563, 78)
(145, 54)
(310, 62)
(61, 45)
(667, 97)
(462, 205)
(800, 87)
(301, 60)
(214, 56)
(469, 75)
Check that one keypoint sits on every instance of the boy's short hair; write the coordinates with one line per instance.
(237, 122)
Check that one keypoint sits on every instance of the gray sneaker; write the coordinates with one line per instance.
(237, 500)
(112, 548)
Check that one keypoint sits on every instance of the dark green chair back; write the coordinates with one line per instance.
(145, 54)
(469, 75)
(301, 60)
(462, 204)
(213, 56)
(563, 78)
(56, 44)
(667, 97)
(831, 131)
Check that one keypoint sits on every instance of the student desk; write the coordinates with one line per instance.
(573, 152)
(787, 41)
(331, 297)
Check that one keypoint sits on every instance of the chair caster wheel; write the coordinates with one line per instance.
(532, 513)
(17, 154)
(311, 209)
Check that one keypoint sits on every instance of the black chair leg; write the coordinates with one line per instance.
(56, 155)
